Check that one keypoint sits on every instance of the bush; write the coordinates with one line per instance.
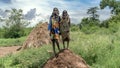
(75, 27)
(14, 23)
(1, 33)
(89, 29)
(13, 32)
(89, 25)
(113, 27)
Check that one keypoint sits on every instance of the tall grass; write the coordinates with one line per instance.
(30, 58)
(99, 50)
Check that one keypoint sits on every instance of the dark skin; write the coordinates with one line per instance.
(67, 39)
(55, 42)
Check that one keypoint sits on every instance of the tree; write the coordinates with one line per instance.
(93, 13)
(14, 24)
(114, 5)
(90, 24)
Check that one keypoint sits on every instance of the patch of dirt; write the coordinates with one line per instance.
(38, 36)
(66, 59)
(8, 50)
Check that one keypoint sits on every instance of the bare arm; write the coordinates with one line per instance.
(69, 22)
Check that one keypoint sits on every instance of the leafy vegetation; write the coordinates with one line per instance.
(91, 24)
(14, 24)
(114, 5)
(14, 41)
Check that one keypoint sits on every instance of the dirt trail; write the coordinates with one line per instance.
(8, 50)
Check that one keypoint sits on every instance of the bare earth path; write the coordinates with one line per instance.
(8, 50)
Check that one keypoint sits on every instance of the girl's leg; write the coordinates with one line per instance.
(58, 44)
(53, 44)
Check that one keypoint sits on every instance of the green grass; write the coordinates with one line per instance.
(100, 50)
(30, 58)
(12, 42)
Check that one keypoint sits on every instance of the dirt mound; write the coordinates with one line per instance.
(66, 59)
(38, 36)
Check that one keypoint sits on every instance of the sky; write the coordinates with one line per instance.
(40, 10)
